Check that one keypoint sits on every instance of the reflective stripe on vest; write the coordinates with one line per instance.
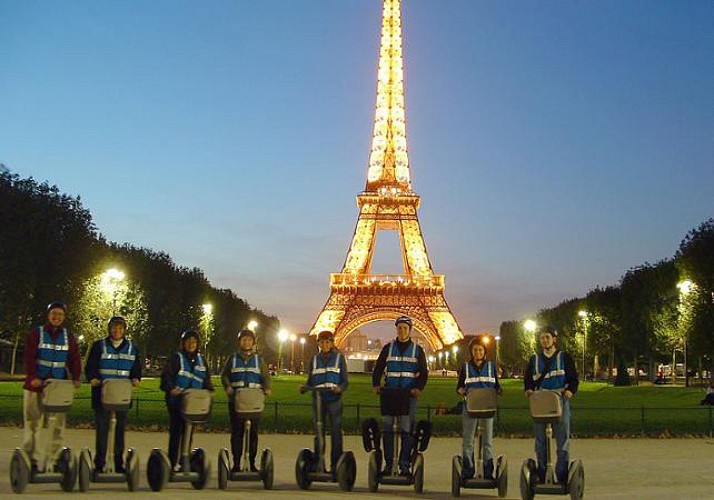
(190, 378)
(325, 373)
(401, 369)
(485, 377)
(116, 362)
(246, 373)
(51, 360)
(555, 378)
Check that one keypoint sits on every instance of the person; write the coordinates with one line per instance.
(709, 395)
(51, 352)
(185, 370)
(113, 357)
(555, 370)
(328, 370)
(478, 373)
(244, 369)
(403, 364)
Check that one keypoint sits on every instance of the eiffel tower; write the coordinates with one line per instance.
(357, 296)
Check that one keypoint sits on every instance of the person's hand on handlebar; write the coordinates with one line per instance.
(376, 389)
(95, 382)
(229, 391)
(568, 394)
(302, 389)
(416, 393)
(268, 392)
(529, 393)
(461, 391)
(175, 391)
(337, 389)
(76, 383)
(35, 383)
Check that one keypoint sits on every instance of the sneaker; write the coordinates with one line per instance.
(253, 468)
(177, 468)
(235, 468)
(387, 470)
(404, 472)
(467, 472)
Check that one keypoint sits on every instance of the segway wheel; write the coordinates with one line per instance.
(199, 464)
(19, 472)
(576, 485)
(302, 469)
(419, 473)
(267, 467)
(346, 471)
(85, 470)
(223, 469)
(132, 469)
(528, 471)
(373, 466)
(502, 476)
(157, 470)
(68, 467)
(456, 468)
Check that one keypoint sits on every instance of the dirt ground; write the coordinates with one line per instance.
(617, 469)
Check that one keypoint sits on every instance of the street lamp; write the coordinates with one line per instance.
(584, 316)
(302, 353)
(110, 282)
(293, 338)
(252, 325)
(530, 327)
(685, 287)
(283, 336)
(497, 338)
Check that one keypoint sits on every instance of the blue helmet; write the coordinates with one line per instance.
(404, 319)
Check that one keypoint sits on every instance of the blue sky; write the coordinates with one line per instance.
(554, 144)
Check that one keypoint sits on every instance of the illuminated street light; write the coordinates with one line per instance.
(584, 316)
(293, 338)
(252, 325)
(685, 287)
(110, 283)
(283, 336)
(530, 325)
(207, 309)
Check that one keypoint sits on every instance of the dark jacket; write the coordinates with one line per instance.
(171, 369)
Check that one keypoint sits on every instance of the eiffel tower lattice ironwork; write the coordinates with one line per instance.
(388, 202)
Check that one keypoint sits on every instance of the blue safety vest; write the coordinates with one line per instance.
(246, 372)
(555, 377)
(190, 377)
(326, 373)
(479, 379)
(116, 362)
(51, 360)
(402, 368)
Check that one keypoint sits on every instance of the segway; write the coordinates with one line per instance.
(195, 467)
(56, 397)
(310, 465)
(248, 404)
(394, 402)
(480, 403)
(116, 396)
(546, 407)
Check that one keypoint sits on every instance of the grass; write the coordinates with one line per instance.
(597, 410)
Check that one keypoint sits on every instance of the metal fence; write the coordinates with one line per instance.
(282, 416)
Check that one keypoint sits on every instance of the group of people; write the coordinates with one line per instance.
(51, 352)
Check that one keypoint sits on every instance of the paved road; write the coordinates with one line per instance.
(614, 469)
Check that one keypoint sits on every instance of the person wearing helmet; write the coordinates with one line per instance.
(328, 369)
(244, 369)
(403, 364)
(112, 357)
(185, 370)
(477, 373)
(51, 351)
(554, 370)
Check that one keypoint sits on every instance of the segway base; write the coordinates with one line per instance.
(109, 477)
(550, 489)
(245, 476)
(45, 477)
(183, 477)
(479, 484)
(396, 480)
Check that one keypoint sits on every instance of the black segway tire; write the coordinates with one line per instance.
(302, 469)
(370, 434)
(346, 471)
(374, 464)
(132, 469)
(576, 483)
(528, 471)
(422, 435)
(223, 469)
(267, 467)
(157, 471)
(502, 476)
(85, 470)
(456, 468)
(419, 473)
(198, 463)
(19, 472)
(68, 467)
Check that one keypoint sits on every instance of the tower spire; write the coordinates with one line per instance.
(388, 159)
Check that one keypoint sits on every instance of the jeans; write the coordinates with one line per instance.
(561, 432)
(467, 445)
(237, 435)
(101, 419)
(334, 410)
(176, 428)
(406, 422)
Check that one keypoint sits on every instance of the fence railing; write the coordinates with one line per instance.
(287, 416)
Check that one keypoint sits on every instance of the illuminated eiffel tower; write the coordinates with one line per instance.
(357, 296)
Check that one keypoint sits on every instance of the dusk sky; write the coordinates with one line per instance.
(554, 144)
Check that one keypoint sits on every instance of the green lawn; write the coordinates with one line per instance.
(598, 409)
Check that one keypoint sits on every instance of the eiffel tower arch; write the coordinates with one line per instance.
(388, 203)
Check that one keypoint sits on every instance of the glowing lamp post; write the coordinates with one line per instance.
(283, 336)
(293, 338)
(110, 282)
(685, 288)
(302, 352)
(252, 325)
(584, 316)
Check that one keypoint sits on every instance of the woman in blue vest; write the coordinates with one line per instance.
(185, 370)
(245, 369)
(555, 370)
(328, 370)
(403, 364)
(111, 357)
(475, 374)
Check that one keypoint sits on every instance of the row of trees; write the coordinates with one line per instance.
(656, 313)
(51, 250)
